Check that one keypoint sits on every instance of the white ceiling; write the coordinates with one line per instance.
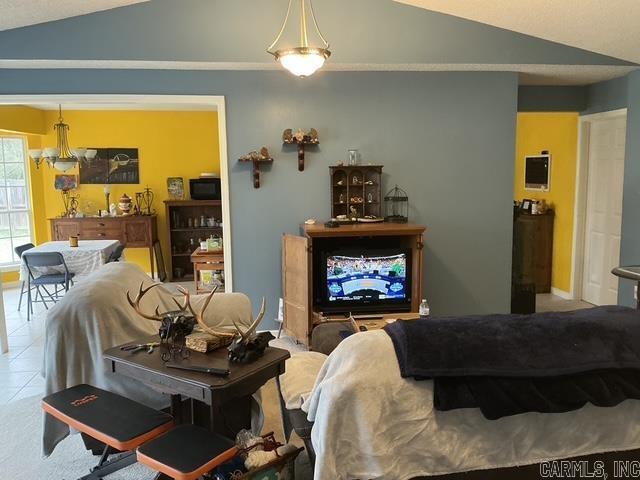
(19, 13)
(609, 27)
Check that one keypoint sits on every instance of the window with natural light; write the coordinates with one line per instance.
(15, 210)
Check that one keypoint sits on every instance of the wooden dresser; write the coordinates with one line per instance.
(133, 231)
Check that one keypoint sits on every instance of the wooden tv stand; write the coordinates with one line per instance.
(301, 313)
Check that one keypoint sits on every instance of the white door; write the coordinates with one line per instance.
(603, 220)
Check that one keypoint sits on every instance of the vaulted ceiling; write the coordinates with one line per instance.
(609, 27)
(20, 13)
(366, 35)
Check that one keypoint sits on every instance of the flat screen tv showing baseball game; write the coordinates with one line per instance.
(366, 280)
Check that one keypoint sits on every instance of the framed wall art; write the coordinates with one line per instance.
(111, 165)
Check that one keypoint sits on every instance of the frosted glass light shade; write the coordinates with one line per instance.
(64, 165)
(79, 152)
(90, 154)
(51, 152)
(302, 61)
(35, 153)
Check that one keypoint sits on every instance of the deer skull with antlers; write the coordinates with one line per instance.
(175, 325)
(248, 346)
(245, 346)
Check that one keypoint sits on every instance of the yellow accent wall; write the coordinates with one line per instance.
(169, 143)
(22, 119)
(557, 133)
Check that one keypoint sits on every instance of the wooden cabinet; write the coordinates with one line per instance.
(300, 254)
(188, 222)
(533, 250)
(357, 187)
(134, 231)
(61, 229)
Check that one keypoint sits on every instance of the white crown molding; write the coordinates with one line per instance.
(530, 74)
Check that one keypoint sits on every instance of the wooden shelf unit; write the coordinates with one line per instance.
(179, 233)
(344, 189)
(299, 266)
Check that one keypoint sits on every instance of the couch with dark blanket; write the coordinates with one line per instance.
(548, 362)
(526, 437)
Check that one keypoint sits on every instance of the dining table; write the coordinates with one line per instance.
(82, 260)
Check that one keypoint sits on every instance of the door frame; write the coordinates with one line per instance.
(213, 102)
(580, 201)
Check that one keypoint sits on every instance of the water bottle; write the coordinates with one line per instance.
(424, 309)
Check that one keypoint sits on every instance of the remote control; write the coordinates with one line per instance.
(196, 368)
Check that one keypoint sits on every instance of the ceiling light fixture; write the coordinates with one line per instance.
(303, 60)
(61, 157)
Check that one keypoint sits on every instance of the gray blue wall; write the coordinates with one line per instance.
(360, 32)
(630, 243)
(606, 96)
(447, 138)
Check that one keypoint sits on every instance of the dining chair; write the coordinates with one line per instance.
(61, 281)
(19, 250)
(116, 255)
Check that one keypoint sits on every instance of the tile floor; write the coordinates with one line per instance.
(20, 367)
(547, 302)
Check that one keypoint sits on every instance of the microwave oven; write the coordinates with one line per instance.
(205, 188)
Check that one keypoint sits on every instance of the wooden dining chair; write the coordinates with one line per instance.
(60, 281)
(19, 250)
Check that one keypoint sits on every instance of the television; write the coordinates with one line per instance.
(537, 172)
(365, 280)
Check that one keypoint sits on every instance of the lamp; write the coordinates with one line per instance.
(61, 157)
(302, 60)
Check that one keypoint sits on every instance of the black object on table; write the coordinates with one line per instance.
(631, 272)
(222, 404)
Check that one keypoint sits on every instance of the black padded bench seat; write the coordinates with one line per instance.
(186, 452)
(111, 419)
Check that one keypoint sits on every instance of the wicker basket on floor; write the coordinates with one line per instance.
(282, 468)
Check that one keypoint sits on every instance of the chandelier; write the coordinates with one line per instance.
(303, 60)
(61, 157)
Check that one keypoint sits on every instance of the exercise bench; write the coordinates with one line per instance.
(121, 424)
(186, 453)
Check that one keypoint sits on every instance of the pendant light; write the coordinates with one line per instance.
(61, 157)
(302, 60)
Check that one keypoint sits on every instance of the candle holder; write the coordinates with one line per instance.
(107, 194)
(147, 201)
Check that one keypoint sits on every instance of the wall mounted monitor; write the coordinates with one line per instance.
(537, 172)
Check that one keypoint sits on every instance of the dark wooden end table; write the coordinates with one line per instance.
(222, 404)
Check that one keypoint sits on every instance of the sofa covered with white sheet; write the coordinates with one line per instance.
(363, 420)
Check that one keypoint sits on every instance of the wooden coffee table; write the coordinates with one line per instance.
(222, 404)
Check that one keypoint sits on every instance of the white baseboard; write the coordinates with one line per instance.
(14, 284)
(561, 293)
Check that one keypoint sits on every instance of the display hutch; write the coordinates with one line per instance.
(188, 223)
(301, 264)
(355, 188)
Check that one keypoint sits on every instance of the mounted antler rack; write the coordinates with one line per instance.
(301, 139)
(257, 158)
(175, 325)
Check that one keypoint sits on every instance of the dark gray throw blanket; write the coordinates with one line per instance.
(509, 364)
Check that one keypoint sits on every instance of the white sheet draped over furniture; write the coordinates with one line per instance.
(82, 260)
(372, 423)
(95, 315)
